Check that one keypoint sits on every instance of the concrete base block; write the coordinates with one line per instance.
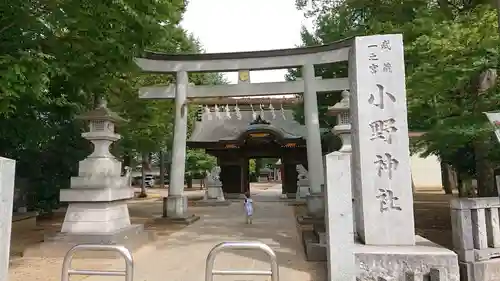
(480, 271)
(96, 217)
(176, 206)
(313, 249)
(320, 231)
(291, 195)
(211, 203)
(316, 205)
(309, 220)
(186, 220)
(394, 262)
(302, 191)
(214, 192)
(132, 237)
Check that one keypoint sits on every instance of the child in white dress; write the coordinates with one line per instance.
(248, 204)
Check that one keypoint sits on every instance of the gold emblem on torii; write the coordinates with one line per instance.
(244, 76)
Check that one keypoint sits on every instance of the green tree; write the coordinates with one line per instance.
(197, 164)
(451, 49)
(55, 60)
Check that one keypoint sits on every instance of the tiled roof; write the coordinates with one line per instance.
(228, 129)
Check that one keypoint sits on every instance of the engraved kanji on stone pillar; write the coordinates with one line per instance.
(381, 159)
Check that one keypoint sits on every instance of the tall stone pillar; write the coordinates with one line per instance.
(315, 204)
(381, 158)
(7, 175)
(176, 201)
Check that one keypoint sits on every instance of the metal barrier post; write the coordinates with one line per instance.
(209, 269)
(128, 273)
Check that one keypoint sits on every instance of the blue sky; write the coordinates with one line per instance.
(242, 25)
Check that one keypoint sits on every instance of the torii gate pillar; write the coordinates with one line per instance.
(176, 200)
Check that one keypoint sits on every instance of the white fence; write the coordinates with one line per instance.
(476, 228)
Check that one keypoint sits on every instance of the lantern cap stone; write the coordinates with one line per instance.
(101, 113)
(342, 106)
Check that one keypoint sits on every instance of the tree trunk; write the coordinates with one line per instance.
(127, 161)
(484, 169)
(446, 178)
(413, 189)
(465, 187)
(96, 100)
(149, 161)
(162, 169)
(460, 188)
(189, 182)
(445, 8)
(144, 163)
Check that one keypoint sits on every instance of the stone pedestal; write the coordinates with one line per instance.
(214, 192)
(96, 217)
(214, 196)
(176, 206)
(398, 262)
(176, 211)
(98, 210)
(303, 189)
(316, 205)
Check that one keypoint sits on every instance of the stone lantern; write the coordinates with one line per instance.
(343, 127)
(97, 211)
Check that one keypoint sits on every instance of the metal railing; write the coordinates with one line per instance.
(210, 272)
(128, 273)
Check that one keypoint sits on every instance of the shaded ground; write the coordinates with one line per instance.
(181, 256)
(432, 221)
(432, 216)
(179, 252)
(48, 269)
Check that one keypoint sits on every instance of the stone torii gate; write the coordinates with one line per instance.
(376, 173)
(182, 91)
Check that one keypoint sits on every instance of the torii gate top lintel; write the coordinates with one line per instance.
(250, 54)
(235, 61)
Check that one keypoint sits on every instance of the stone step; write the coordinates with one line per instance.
(306, 219)
(321, 238)
(314, 250)
(320, 232)
(133, 238)
(319, 227)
